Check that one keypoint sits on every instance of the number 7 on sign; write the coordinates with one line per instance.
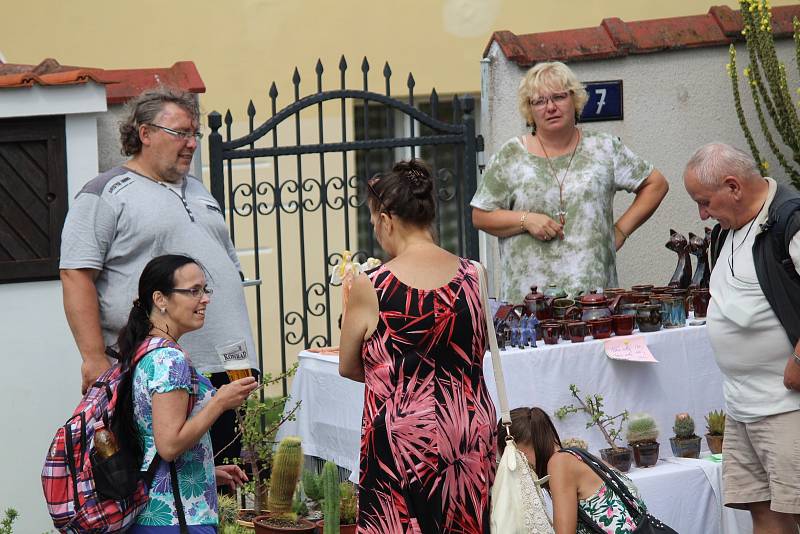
(602, 102)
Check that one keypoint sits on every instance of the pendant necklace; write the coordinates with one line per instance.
(169, 336)
(562, 213)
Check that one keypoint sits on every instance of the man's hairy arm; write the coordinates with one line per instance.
(83, 315)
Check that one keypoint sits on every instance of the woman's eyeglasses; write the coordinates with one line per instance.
(195, 292)
(555, 98)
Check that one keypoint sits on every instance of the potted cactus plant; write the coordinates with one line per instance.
(715, 424)
(642, 435)
(685, 444)
(609, 425)
(286, 467)
(338, 504)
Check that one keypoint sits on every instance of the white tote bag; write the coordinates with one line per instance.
(517, 500)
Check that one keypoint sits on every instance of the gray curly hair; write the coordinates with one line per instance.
(145, 108)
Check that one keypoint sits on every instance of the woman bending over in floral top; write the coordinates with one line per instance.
(572, 484)
(151, 419)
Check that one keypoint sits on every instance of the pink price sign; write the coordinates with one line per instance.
(630, 348)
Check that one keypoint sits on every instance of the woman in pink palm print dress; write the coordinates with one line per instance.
(414, 333)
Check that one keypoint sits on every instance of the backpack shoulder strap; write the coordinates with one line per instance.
(718, 236)
(152, 343)
(783, 224)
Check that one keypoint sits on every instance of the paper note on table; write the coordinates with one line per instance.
(631, 348)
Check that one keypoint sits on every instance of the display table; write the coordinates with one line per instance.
(686, 378)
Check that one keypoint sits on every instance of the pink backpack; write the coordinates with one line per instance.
(69, 482)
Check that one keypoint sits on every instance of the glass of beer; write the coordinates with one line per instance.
(234, 360)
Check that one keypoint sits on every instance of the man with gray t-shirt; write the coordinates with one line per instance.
(148, 207)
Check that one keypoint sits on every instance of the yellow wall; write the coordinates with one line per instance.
(241, 46)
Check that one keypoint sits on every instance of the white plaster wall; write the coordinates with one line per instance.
(40, 381)
(39, 388)
(673, 103)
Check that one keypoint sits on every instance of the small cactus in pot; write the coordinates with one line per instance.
(715, 424)
(685, 444)
(642, 436)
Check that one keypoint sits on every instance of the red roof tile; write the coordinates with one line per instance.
(615, 37)
(121, 85)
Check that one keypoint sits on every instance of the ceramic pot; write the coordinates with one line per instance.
(648, 317)
(623, 324)
(700, 299)
(343, 529)
(643, 288)
(593, 306)
(577, 331)
(659, 290)
(539, 305)
(560, 307)
(629, 309)
(645, 454)
(600, 328)
(673, 311)
(714, 443)
(551, 332)
(552, 292)
(685, 293)
(685, 447)
(619, 458)
(262, 526)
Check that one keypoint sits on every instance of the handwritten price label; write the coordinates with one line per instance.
(630, 348)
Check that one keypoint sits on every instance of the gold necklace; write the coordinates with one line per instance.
(562, 213)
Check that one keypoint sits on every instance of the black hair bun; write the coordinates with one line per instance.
(418, 175)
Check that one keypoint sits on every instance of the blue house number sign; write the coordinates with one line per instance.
(605, 101)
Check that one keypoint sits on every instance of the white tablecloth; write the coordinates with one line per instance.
(685, 378)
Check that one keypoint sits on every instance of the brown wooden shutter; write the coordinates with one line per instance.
(33, 197)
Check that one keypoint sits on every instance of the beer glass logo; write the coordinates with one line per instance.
(234, 359)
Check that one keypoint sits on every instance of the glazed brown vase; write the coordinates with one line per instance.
(700, 300)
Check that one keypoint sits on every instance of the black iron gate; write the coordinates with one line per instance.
(296, 204)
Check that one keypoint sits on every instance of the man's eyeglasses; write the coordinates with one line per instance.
(196, 292)
(555, 98)
(180, 134)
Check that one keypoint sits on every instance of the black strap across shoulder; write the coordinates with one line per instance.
(645, 523)
(176, 494)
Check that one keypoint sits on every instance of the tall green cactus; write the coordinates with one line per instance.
(331, 495)
(286, 467)
(766, 77)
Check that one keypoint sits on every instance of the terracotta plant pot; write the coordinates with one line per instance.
(714, 443)
(244, 519)
(686, 447)
(263, 526)
(645, 453)
(619, 458)
(343, 529)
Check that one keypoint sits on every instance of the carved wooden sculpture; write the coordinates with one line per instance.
(698, 246)
(682, 276)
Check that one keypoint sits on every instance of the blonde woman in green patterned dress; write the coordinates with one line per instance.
(549, 194)
(573, 484)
